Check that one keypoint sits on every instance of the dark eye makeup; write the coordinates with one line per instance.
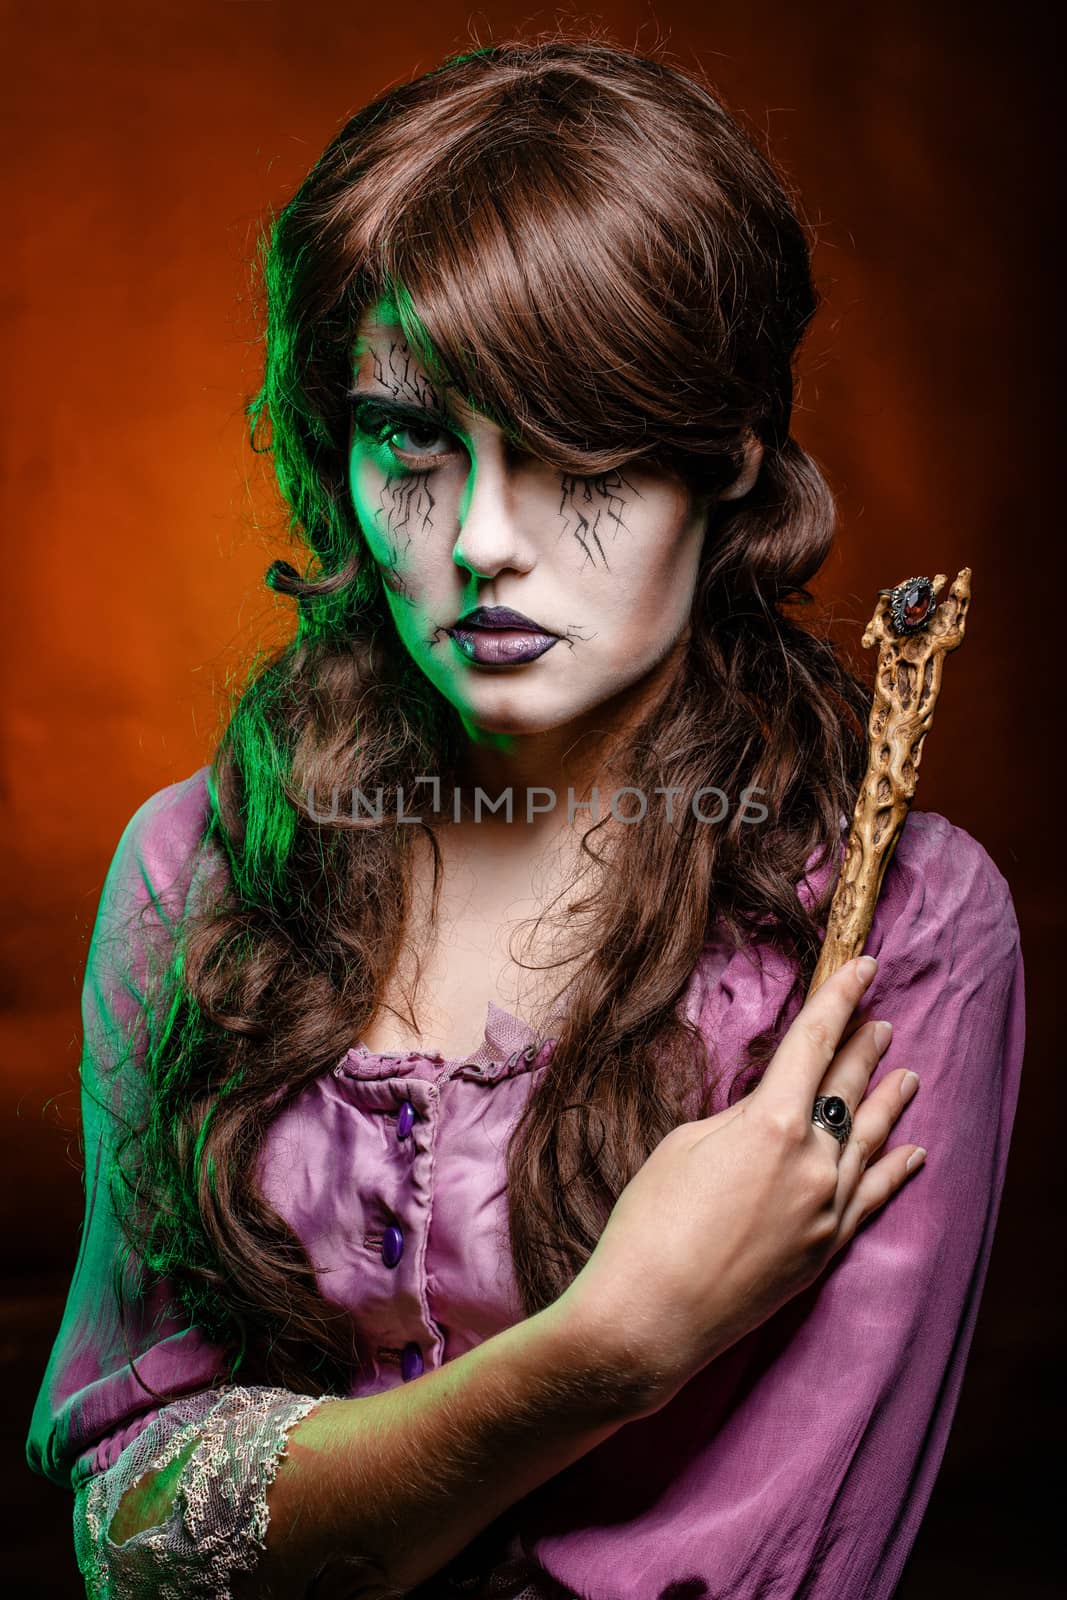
(380, 420)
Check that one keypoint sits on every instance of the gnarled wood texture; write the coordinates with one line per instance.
(907, 684)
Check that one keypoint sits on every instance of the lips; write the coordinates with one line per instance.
(501, 647)
(501, 617)
(497, 636)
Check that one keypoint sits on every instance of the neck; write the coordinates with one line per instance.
(569, 762)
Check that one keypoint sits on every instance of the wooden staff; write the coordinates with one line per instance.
(914, 636)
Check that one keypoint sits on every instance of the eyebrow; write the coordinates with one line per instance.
(366, 403)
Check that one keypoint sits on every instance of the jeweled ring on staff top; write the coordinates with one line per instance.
(832, 1114)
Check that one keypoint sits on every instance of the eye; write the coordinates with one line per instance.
(420, 437)
(401, 440)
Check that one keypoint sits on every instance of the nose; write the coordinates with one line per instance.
(491, 517)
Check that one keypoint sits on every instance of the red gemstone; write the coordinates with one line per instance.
(916, 604)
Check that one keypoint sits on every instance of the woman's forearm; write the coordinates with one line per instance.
(406, 1479)
(374, 1495)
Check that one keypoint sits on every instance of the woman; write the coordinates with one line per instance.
(591, 1304)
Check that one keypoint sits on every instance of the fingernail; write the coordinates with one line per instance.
(915, 1159)
(883, 1032)
(908, 1085)
(866, 966)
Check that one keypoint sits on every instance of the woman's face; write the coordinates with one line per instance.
(602, 568)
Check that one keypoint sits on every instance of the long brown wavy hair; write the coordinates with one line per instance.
(591, 250)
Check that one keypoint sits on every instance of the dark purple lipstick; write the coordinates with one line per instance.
(497, 636)
(500, 617)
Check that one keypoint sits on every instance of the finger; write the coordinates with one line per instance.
(799, 1065)
(849, 1074)
(871, 1126)
(879, 1183)
(854, 1024)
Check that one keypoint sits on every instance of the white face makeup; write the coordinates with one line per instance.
(604, 567)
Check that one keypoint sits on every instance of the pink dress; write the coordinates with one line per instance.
(799, 1463)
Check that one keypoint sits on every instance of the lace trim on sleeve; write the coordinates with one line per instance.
(219, 1518)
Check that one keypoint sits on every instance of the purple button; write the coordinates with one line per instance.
(410, 1362)
(392, 1246)
(405, 1120)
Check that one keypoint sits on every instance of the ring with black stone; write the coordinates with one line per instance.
(831, 1112)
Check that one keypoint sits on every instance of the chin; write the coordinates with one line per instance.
(513, 710)
(512, 720)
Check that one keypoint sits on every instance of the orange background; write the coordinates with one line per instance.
(145, 144)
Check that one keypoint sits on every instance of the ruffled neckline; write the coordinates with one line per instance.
(504, 1035)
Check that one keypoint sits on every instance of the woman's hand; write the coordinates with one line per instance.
(733, 1215)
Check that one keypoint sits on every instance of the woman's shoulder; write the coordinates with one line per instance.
(927, 836)
(172, 819)
(943, 901)
(168, 826)
(159, 850)
(941, 875)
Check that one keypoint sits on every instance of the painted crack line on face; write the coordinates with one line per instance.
(591, 506)
(403, 378)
